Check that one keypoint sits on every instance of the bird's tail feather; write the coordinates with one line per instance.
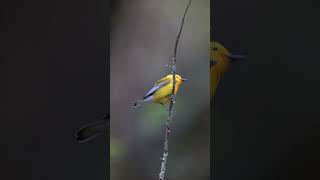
(92, 130)
(138, 103)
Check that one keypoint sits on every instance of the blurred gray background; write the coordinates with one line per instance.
(142, 40)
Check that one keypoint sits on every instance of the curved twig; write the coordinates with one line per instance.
(166, 140)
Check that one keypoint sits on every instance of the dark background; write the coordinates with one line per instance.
(54, 78)
(266, 120)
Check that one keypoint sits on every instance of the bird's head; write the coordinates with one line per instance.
(219, 53)
(179, 79)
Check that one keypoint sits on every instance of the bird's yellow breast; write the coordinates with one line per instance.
(163, 94)
(214, 80)
(219, 56)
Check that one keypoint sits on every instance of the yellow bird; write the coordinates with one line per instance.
(161, 91)
(220, 58)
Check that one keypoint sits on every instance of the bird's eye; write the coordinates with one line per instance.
(214, 49)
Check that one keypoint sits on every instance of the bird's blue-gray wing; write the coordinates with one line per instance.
(155, 88)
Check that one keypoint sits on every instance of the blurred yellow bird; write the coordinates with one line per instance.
(161, 91)
(220, 58)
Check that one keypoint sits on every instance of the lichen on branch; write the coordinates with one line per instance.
(172, 100)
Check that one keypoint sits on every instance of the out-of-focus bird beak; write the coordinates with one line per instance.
(183, 79)
(234, 57)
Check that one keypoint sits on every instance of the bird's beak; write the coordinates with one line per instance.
(183, 79)
(234, 57)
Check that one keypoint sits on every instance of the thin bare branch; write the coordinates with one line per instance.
(173, 67)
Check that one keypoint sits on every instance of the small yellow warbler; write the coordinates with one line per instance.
(161, 91)
(220, 58)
